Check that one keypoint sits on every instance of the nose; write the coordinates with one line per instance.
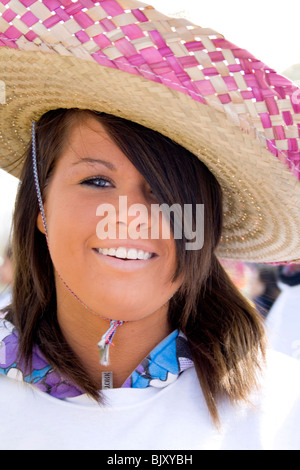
(133, 216)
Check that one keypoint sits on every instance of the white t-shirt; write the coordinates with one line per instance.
(283, 321)
(174, 417)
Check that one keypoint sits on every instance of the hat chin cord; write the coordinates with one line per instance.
(106, 340)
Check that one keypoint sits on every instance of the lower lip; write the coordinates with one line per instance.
(124, 265)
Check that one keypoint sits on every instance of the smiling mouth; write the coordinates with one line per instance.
(126, 253)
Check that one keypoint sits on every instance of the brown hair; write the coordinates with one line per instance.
(224, 331)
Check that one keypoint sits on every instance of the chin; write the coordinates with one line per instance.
(128, 309)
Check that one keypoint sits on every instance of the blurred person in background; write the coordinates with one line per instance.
(265, 289)
(283, 321)
(6, 276)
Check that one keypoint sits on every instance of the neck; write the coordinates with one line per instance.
(132, 341)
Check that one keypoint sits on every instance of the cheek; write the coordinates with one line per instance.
(70, 219)
(70, 227)
(152, 289)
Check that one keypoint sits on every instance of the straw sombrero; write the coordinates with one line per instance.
(123, 57)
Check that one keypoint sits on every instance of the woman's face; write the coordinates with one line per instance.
(90, 198)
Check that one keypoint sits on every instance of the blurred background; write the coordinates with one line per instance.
(270, 30)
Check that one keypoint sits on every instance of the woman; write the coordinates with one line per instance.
(99, 303)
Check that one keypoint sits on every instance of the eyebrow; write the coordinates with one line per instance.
(109, 165)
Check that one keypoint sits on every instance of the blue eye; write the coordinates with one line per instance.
(97, 182)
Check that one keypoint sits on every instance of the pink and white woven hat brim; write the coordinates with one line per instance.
(125, 58)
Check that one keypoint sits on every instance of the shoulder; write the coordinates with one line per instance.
(283, 372)
(6, 328)
(269, 420)
(278, 402)
(8, 345)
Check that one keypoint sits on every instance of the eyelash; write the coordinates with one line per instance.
(91, 181)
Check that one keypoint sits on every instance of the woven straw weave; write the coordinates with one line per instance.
(165, 50)
(243, 118)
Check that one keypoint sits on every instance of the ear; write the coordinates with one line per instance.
(39, 224)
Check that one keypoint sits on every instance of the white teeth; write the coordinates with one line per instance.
(132, 253)
(123, 253)
(147, 256)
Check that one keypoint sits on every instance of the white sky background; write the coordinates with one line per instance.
(269, 29)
